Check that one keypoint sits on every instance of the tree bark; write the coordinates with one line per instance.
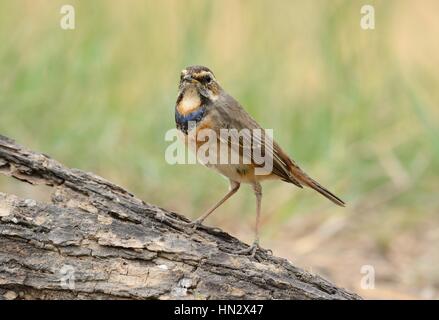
(95, 240)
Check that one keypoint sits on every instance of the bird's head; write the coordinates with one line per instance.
(201, 80)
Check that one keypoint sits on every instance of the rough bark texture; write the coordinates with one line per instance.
(96, 240)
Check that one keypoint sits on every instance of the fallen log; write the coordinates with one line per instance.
(95, 240)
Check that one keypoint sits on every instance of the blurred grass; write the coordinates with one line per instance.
(357, 109)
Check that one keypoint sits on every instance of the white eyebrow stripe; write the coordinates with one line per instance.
(203, 73)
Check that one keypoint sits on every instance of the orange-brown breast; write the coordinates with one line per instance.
(190, 102)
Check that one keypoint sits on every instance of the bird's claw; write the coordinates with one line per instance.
(197, 223)
(253, 249)
(194, 224)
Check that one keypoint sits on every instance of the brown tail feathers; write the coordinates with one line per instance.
(306, 180)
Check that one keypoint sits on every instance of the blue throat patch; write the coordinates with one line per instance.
(182, 121)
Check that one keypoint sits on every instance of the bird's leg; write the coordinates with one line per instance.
(234, 186)
(255, 246)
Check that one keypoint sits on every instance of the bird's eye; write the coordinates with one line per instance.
(207, 78)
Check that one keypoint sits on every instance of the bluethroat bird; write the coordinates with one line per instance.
(203, 104)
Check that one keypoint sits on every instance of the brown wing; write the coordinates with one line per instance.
(233, 116)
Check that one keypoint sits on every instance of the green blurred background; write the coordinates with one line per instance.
(357, 109)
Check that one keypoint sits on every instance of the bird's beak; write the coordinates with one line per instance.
(188, 78)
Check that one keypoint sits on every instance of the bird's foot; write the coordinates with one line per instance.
(199, 222)
(253, 249)
(194, 224)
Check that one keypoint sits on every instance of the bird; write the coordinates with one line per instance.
(202, 104)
